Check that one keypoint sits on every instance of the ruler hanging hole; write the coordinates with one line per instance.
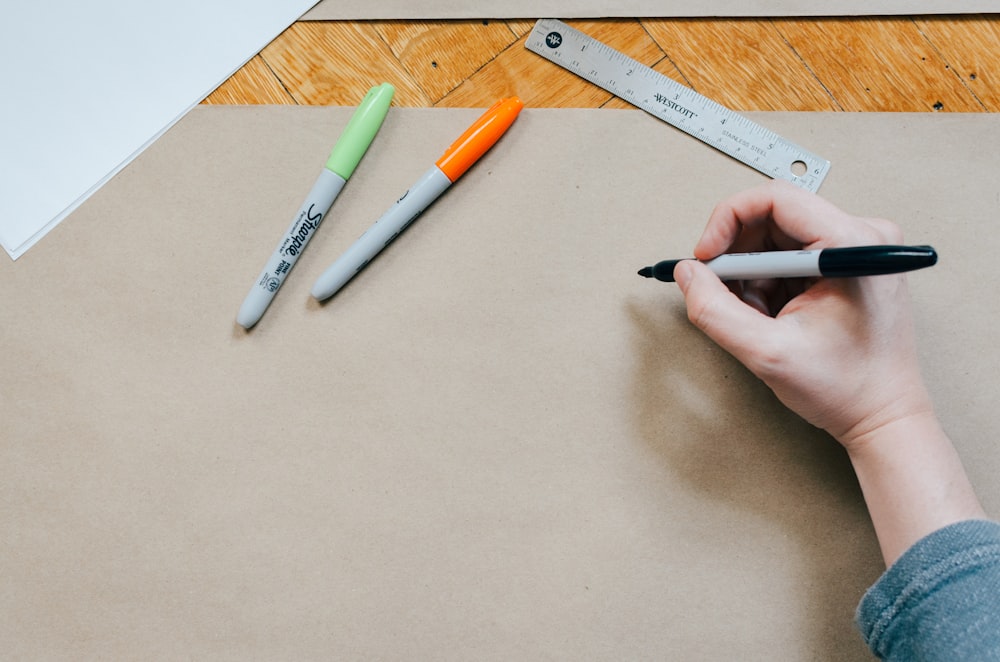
(799, 168)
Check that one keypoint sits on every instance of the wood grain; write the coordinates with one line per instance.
(336, 63)
(440, 56)
(941, 63)
(970, 48)
(904, 73)
(540, 83)
(744, 64)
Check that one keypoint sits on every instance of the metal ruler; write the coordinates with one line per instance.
(680, 106)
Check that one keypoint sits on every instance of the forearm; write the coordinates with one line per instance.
(913, 482)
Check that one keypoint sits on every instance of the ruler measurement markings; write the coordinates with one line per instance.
(700, 117)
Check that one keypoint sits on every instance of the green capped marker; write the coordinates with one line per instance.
(346, 154)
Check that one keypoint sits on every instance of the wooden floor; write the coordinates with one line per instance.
(946, 64)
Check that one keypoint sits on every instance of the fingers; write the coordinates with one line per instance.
(769, 296)
(719, 313)
(780, 216)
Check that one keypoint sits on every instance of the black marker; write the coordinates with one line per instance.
(827, 262)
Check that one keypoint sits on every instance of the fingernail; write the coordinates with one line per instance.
(682, 274)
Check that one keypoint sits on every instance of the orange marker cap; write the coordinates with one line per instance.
(479, 137)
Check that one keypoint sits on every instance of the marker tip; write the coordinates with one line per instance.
(646, 271)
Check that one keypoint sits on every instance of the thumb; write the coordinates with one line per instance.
(720, 314)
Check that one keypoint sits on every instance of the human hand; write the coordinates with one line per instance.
(839, 352)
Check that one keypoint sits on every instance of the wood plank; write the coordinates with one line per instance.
(521, 28)
(880, 65)
(970, 45)
(540, 83)
(336, 63)
(254, 83)
(440, 55)
(742, 64)
(855, 64)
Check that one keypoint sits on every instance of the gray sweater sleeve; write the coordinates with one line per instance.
(940, 600)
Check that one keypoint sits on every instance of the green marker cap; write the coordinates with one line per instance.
(360, 131)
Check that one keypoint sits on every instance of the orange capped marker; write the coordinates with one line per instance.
(479, 137)
(464, 152)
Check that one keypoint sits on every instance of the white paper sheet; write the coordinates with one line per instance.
(90, 85)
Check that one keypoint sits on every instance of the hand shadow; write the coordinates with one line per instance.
(722, 432)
